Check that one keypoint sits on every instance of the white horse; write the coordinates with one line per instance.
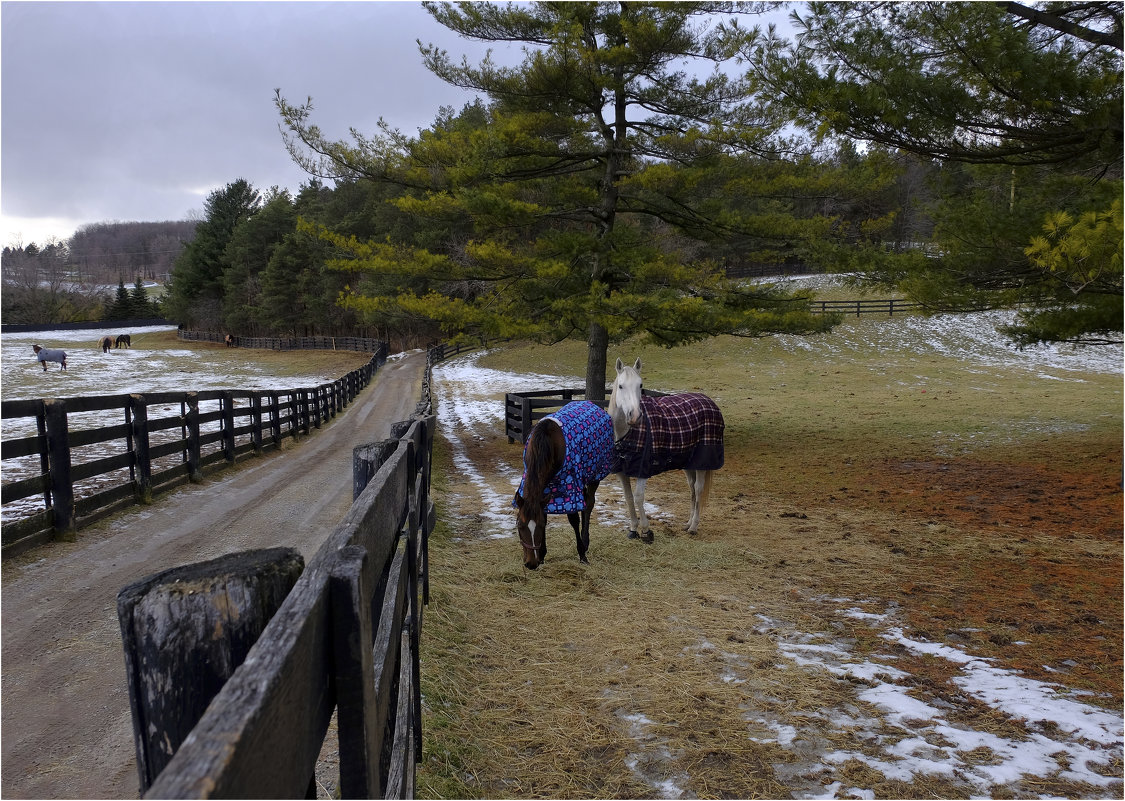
(656, 434)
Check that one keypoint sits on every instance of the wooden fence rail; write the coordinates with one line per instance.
(858, 307)
(361, 344)
(523, 409)
(164, 439)
(345, 637)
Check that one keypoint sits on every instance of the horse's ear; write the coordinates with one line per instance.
(619, 364)
(637, 365)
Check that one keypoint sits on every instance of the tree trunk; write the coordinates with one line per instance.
(597, 343)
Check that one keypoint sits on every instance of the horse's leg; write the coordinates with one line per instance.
(693, 518)
(639, 502)
(700, 492)
(589, 493)
(627, 489)
(576, 519)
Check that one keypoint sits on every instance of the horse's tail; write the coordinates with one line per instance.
(705, 493)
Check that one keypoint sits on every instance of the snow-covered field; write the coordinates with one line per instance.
(914, 734)
(138, 369)
(122, 370)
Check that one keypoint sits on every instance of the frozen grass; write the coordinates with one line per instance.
(877, 605)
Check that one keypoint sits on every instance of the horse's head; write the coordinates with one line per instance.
(625, 399)
(531, 528)
(543, 455)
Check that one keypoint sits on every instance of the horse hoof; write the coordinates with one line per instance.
(583, 560)
(633, 535)
(649, 538)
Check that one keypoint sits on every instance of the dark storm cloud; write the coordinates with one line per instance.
(136, 111)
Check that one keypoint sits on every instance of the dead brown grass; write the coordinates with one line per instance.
(988, 520)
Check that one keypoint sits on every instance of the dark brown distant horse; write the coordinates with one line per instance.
(566, 456)
(124, 339)
(105, 343)
(229, 340)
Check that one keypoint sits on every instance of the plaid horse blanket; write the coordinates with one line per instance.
(676, 432)
(588, 431)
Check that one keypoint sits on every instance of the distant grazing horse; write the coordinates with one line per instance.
(656, 434)
(229, 340)
(49, 355)
(105, 343)
(124, 339)
(566, 455)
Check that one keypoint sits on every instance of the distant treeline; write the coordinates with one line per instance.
(73, 281)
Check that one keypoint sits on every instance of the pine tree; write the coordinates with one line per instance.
(574, 205)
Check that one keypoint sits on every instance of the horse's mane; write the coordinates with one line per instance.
(541, 462)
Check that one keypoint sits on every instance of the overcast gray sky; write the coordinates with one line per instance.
(137, 111)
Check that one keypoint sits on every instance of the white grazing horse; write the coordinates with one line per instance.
(655, 434)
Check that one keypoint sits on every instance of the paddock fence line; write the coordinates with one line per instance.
(80, 474)
(858, 307)
(360, 344)
(522, 410)
(341, 633)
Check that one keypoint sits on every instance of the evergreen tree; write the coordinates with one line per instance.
(247, 256)
(139, 306)
(1021, 104)
(195, 293)
(571, 186)
(121, 307)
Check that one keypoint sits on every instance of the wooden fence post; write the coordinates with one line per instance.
(185, 631)
(58, 458)
(142, 486)
(192, 448)
(303, 405)
(359, 715)
(525, 422)
(366, 461)
(275, 419)
(256, 421)
(228, 425)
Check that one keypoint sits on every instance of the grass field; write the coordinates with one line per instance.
(908, 582)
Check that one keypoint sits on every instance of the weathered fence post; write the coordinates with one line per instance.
(256, 421)
(366, 461)
(184, 632)
(228, 425)
(303, 406)
(58, 457)
(525, 418)
(138, 434)
(192, 451)
(360, 712)
(275, 419)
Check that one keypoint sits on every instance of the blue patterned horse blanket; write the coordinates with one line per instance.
(675, 432)
(588, 432)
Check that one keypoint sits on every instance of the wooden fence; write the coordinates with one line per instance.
(523, 409)
(858, 307)
(164, 440)
(345, 637)
(361, 344)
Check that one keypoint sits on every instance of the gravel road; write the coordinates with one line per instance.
(67, 731)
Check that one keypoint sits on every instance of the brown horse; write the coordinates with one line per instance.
(566, 456)
(229, 340)
(105, 343)
(124, 339)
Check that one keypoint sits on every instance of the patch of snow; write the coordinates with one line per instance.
(1064, 737)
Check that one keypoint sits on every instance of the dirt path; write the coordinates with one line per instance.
(67, 731)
